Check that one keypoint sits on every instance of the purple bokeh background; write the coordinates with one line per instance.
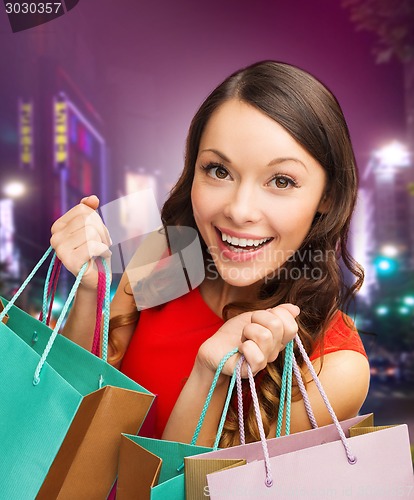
(146, 66)
(141, 69)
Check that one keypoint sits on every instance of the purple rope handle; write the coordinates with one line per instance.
(268, 480)
(304, 393)
(351, 458)
(99, 308)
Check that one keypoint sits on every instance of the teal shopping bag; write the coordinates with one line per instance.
(62, 412)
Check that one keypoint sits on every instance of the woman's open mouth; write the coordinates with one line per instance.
(241, 246)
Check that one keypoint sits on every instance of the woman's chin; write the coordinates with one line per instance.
(240, 277)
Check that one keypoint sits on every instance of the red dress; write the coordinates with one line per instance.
(162, 350)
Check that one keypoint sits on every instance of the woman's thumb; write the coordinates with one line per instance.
(91, 201)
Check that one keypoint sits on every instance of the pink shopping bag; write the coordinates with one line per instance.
(349, 459)
(313, 464)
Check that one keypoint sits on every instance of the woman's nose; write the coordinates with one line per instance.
(243, 206)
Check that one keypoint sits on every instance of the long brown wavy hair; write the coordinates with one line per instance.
(313, 117)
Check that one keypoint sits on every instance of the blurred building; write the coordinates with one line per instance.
(409, 173)
(362, 241)
(52, 138)
(387, 175)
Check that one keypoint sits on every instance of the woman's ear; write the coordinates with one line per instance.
(325, 204)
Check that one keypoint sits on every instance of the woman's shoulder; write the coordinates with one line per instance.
(340, 335)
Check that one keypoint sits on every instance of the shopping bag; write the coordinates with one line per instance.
(62, 411)
(312, 464)
(349, 459)
(153, 468)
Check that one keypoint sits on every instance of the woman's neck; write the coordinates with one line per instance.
(217, 293)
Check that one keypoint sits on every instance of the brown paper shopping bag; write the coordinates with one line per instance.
(152, 468)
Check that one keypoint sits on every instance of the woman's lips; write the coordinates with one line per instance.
(241, 253)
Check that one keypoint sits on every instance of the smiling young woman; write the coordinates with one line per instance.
(255, 193)
(269, 183)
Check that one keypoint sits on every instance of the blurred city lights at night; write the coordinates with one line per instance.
(409, 300)
(389, 251)
(393, 156)
(382, 310)
(14, 189)
(385, 265)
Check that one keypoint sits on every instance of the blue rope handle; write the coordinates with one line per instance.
(225, 409)
(106, 310)
(285, 391)
(208, 400)
(210, 393)
(24, 284)
(42, 361)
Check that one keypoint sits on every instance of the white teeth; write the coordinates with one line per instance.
(242, 242)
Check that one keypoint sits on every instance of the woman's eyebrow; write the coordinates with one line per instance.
(217, 152)
(278, 161)
(275, 161)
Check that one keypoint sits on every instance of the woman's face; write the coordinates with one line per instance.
(255, 193)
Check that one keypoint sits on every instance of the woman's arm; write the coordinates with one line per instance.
(187, 410)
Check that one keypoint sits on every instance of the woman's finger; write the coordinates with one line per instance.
(254, 356)
(290, 326)
(261, 335)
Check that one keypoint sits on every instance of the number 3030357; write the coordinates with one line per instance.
(33, 8)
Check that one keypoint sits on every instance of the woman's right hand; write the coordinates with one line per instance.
(259, 335)
(78, 237)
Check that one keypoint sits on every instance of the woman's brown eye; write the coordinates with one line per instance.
(281, 182)
(221, 173)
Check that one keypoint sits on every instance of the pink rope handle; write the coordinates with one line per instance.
(96, 345)
(351, 458)
(256, 406)
(54, 278)
(304, 393)
(240, 400)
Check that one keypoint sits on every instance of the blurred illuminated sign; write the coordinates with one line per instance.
(79, 154)
(60, 133)
(25, 134)
(7, 248)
